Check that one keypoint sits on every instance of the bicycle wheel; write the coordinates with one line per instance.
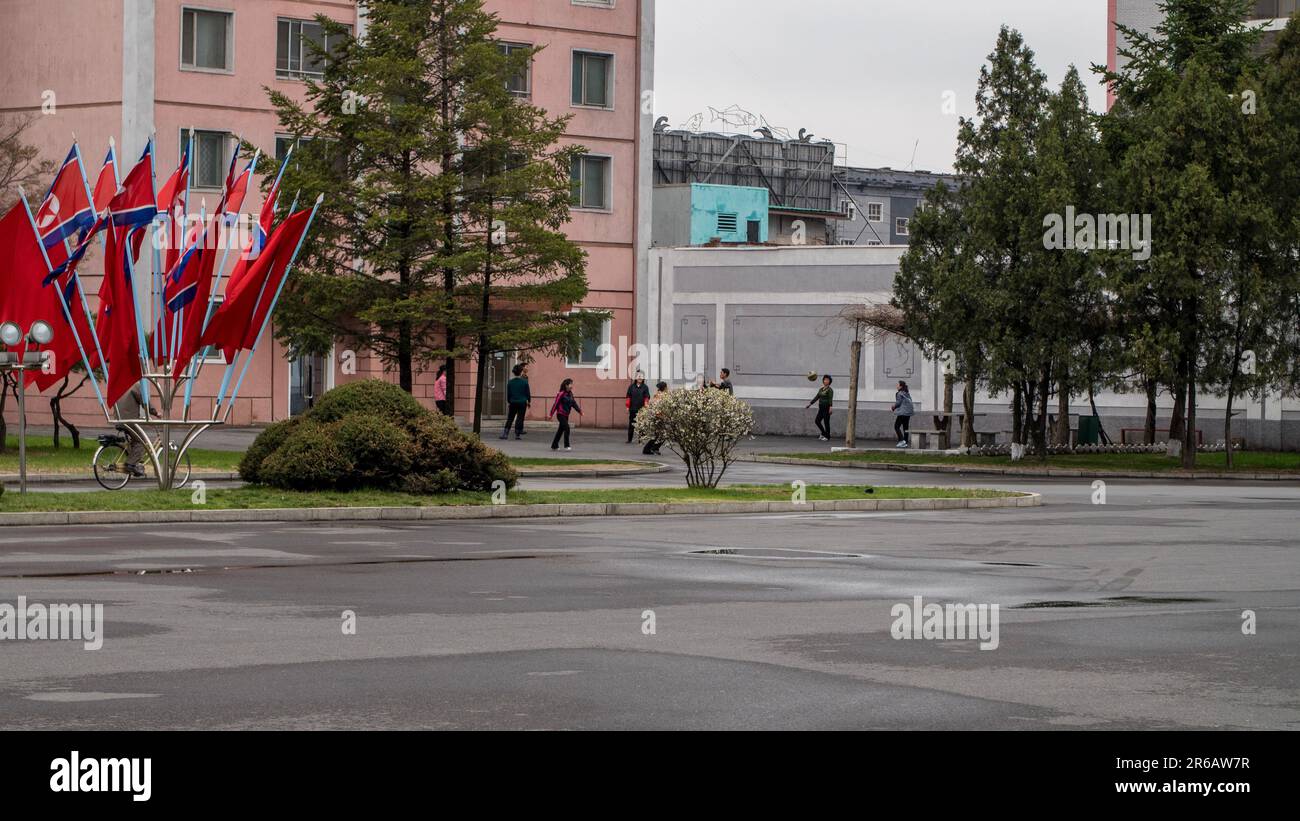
(181, 472)
(110, 467)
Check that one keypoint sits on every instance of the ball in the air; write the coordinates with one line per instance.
(812, 376)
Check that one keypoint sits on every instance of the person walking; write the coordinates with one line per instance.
(903, 411)
(563, 405)
(825, 395)
(440, 390)
(519, 397)
(652, 447)
(638, 394)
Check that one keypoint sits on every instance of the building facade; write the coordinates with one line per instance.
(132, 68)
(878, 203)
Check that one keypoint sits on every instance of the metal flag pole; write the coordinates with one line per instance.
(76, 278)
(22, 388)
(266, 320)
(225, 381)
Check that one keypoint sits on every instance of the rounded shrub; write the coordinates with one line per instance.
(266, 443)
(379, 450)
(373, 434)
(309, 459)
(371, 397)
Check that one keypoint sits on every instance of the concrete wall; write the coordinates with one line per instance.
(770, 314)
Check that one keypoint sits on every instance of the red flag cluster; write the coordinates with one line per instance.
(39, 255)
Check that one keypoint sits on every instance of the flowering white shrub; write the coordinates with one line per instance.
(701, 426)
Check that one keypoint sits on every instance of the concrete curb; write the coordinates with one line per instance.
(8, 479)
(1029, 473)
(351, 514)
(590, 473)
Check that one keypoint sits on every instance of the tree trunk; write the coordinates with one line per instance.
(480, 381)
(1040, 430)
(448, 208)
(1017, 415)
(968, 406)
(1189, 435)
(1149, 424)
(1063, 410)
(1227, 428)
(851, 423)
(1177, 420)
(947, 410)
(405, 371)
(4, 401)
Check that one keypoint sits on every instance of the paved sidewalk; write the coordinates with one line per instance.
(588, 443)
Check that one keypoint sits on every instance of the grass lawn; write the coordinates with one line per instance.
(43, 457)
(1249, 461)
(261, 497)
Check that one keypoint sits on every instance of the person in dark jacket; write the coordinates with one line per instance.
(661, 390)
(724, 382)
(825, 396)
(563, 405)
(638, 394)
(519, 397)
(903, 410)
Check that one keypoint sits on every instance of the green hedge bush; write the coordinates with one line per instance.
(373, 434)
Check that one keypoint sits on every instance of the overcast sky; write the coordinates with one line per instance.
(869, 74)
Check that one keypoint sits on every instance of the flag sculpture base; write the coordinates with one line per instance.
(154, 435)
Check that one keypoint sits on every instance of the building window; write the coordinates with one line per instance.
(294, 56)
(727, 223)
(873, 242)
(875, 212)
(207, 40)
(849, 209)
(847, 242)
(520, 84)
(210, 158)
(590, 182)
(593, 76)
(900, 226)
(603, 4)
(588, 353)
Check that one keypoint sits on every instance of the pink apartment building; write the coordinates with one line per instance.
(128, 68)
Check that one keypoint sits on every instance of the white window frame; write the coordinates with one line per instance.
(850, 209)
(609, 186)
(610, 75)
(606, 333)
(902, 226)
(874, 242)
(847, 242)
(300, 74)
(230, 41)
(225, 160)
(877, 208)
(527, 93)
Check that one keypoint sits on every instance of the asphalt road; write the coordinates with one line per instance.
(1123, 615)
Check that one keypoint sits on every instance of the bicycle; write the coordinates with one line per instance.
(111, 468)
